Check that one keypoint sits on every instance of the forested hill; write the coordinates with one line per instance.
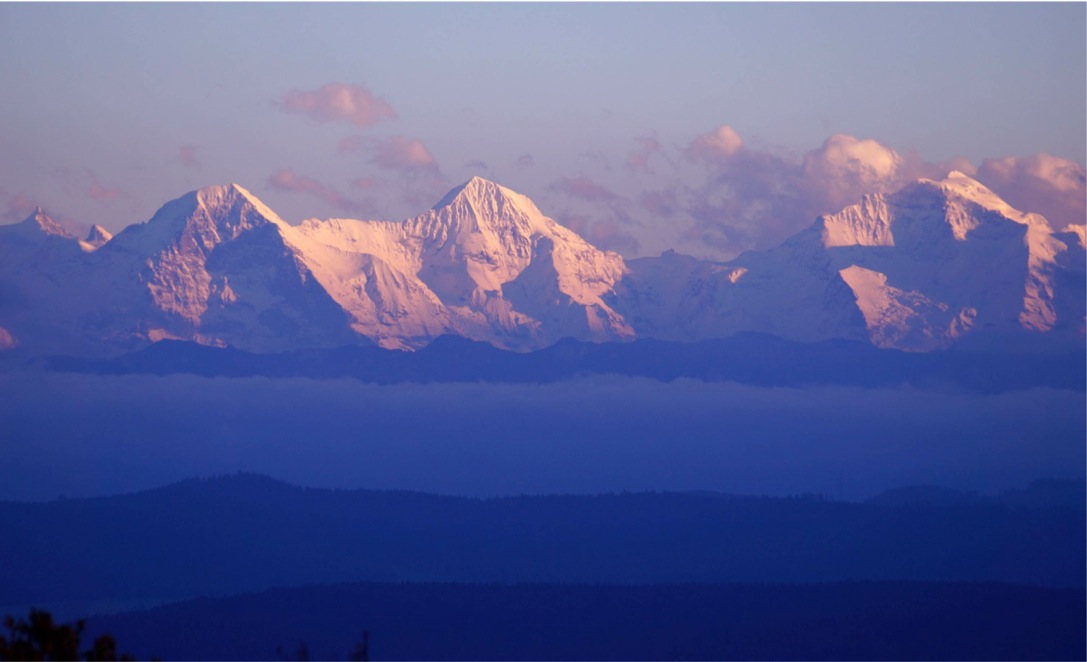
(246, 533)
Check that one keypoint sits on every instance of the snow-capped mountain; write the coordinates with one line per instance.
(483, 263)
(936, 263)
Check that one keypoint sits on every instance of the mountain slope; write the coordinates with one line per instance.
(483, 263)
(934, 264)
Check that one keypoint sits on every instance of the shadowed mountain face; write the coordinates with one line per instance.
(936, 264)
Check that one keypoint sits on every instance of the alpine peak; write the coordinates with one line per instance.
(39, 219)
(98, 235)
(229, 195)
(217, 266)
(960, 186)
(484, 195)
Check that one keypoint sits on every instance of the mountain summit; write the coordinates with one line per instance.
(483, 263)
(935, 264)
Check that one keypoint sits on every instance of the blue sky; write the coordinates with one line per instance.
(594, 111)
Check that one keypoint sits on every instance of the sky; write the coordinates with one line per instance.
(707, 128)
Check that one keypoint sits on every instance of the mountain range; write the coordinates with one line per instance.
(933, 265)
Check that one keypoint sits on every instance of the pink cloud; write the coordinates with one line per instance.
(661, 202)
(364, 183)
(755, 198)
(403, 154)
(186, 156)
(638, 160)
(19, 207)
(338, 102)
(721, 143)
(400, 153)
(351, 145)
(844, 168)
(1042, 183)
(287, 181)
(604, 232)
(582, 187)
(99, 192)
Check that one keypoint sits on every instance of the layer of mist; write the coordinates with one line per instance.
(85, 435)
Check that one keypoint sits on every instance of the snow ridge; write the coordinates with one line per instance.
(934, 264)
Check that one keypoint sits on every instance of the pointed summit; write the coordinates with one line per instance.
(41, 221)
(225, 197)
(98, 236)
(469, 188)
(960, 186)
(485, 196)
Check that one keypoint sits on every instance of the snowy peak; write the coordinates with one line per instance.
(98, 235)
(936, 263)
(232, 197)
(488, 204)
(205, 218)
(39, 221)
(484, 194)
(483, 263)
(923, 213)
(962, 189)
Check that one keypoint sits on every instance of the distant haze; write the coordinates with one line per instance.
(85, 435)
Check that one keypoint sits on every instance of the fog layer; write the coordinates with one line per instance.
(83, 435)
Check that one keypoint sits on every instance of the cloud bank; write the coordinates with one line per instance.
(588, 435)
(716, 195)
(1054, 187)
(338, 102)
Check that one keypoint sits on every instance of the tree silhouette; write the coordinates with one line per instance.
(361, 652)
(39, 638)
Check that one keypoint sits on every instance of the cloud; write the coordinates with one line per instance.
(352, 144)
(287, 181)
(603, 217)
(844, 168)
(101, 193)
(421, 179)
(525, 161)
(186, 156)
(583, 188)
(398, 153)
(660, 202)
(1042, 183)
(403, 154)
(338, 102)
(721, 143)
(638, 160)
(18, 207)
(754, 199)
(606, 232)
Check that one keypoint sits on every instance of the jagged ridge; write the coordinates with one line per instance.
(936, 263)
